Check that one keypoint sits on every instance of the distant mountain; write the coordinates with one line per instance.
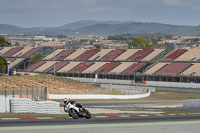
(88, 27)
(86, 23)
(10, 29)
(195, 31)
(131, 28)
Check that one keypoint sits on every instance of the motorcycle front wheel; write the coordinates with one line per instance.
(87, 114)
(73, 113)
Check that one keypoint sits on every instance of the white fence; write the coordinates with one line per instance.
(96, 96)
(24, 105)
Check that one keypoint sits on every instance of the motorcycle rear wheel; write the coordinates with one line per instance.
(73, 113)
(87, 114)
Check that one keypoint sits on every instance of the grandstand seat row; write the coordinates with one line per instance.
(175, 68)
(24, 52)
(86, 67)
(190, 55)
(105, 54)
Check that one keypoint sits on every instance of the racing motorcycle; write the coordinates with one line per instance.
(76, 110)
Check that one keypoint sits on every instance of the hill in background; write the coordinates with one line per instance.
(88, 27)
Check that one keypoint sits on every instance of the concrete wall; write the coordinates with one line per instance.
(173, 84)
(99, 96)
(24, 105)
(4, 104)
(192, 103)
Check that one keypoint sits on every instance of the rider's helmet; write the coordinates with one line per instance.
(66, 100)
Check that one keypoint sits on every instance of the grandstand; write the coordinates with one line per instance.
(144, 64)
(17, 55)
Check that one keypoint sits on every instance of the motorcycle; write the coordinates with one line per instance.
(76, 110)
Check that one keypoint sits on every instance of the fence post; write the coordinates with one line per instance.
(45, 93)
(13, 92)
(37, 93)
(20, 93)
(32, 92)
(27, 92)
(41, 93)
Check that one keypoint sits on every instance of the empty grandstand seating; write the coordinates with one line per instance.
(153, 54)
(62, 55)
(58, 66)
(140, 55)
(4, 50)
(81, 67)
(31, 52)
(175, 54)
(194, 70)
(12, 51)
(18, 51)
(14, 62)
(123, 66)
(75, 54)
(68, 67)
(155, 68)
(45, 66)
(107, 67)
(173, 69)
(190, 55)
(35, 66)
(88, 54)
(112, 55)
(100, 54)
(50, 56)
(134, 68)
(124, 56)
(94, 67)
(23, 51)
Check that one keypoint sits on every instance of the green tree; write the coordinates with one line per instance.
(140, 42)
(4, 42)
(36, 58)
(3, 64)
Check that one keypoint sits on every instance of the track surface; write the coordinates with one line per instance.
(107, 120)
(153, 124)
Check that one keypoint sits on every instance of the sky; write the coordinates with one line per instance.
(52, 13)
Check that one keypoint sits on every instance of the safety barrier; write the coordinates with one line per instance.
(100, 96)
(25, 105)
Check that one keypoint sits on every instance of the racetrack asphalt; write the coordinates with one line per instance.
(153, 124)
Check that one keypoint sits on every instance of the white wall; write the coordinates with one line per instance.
(97, 96)
(24, 105)
(4, 105)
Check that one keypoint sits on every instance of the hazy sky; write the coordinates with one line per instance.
(34, 13)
